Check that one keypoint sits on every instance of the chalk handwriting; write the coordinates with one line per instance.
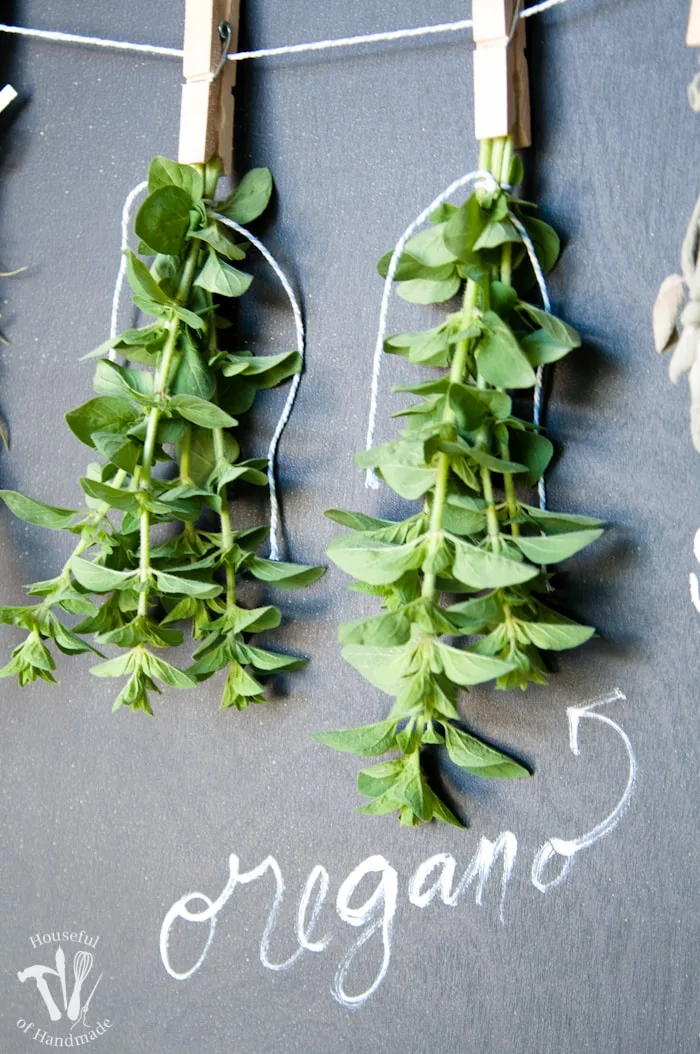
(568, 848)
(434, 878)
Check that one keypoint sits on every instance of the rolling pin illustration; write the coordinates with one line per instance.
(82, 964)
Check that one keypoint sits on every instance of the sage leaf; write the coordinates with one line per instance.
(666, 311)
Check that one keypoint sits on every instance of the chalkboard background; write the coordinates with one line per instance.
(107, 821)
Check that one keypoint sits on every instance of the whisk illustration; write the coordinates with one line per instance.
(82, 1017)
(82, 964)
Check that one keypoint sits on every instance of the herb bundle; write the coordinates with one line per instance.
(489, 549)
(676, 320)
(165, 433)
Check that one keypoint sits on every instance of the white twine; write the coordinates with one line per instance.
(126, 218)
(97, 42)
(296, 381)
(289, 49)
(488, 180)
(370, 476)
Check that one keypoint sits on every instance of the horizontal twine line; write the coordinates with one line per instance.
(289, 49)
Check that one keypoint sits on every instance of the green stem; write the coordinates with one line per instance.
(219, 457)
(492, 524)
(506, 160)
(485, 150)
(457, 369)
(506, 278)
(224, 514)
(185, 451)
(511, 496)
(497, 150)
(225, 518)
(500, 164)
(161, 386)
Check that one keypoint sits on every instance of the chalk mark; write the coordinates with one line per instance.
(568, 848)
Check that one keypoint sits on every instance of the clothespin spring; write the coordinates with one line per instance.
(226, 33)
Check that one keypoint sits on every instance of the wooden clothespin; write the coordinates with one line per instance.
(206, 114)
(501, 83)
(7, 95)
(693, 37)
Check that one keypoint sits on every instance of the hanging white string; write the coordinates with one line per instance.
(298, 322)
(121, 273)
(488, 180)
(296, 381)
(96, 42)
(370, 476)
(289, 49)
(538, 394)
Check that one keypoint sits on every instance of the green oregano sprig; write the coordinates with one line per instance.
(482, 543)
(164, 429)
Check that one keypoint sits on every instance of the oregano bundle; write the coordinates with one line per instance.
(472, 563)
(165, 428)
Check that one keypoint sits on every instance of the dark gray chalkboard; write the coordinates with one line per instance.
(108, 821)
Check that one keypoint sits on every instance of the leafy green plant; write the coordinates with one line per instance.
(487, 549)
(164, 428)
